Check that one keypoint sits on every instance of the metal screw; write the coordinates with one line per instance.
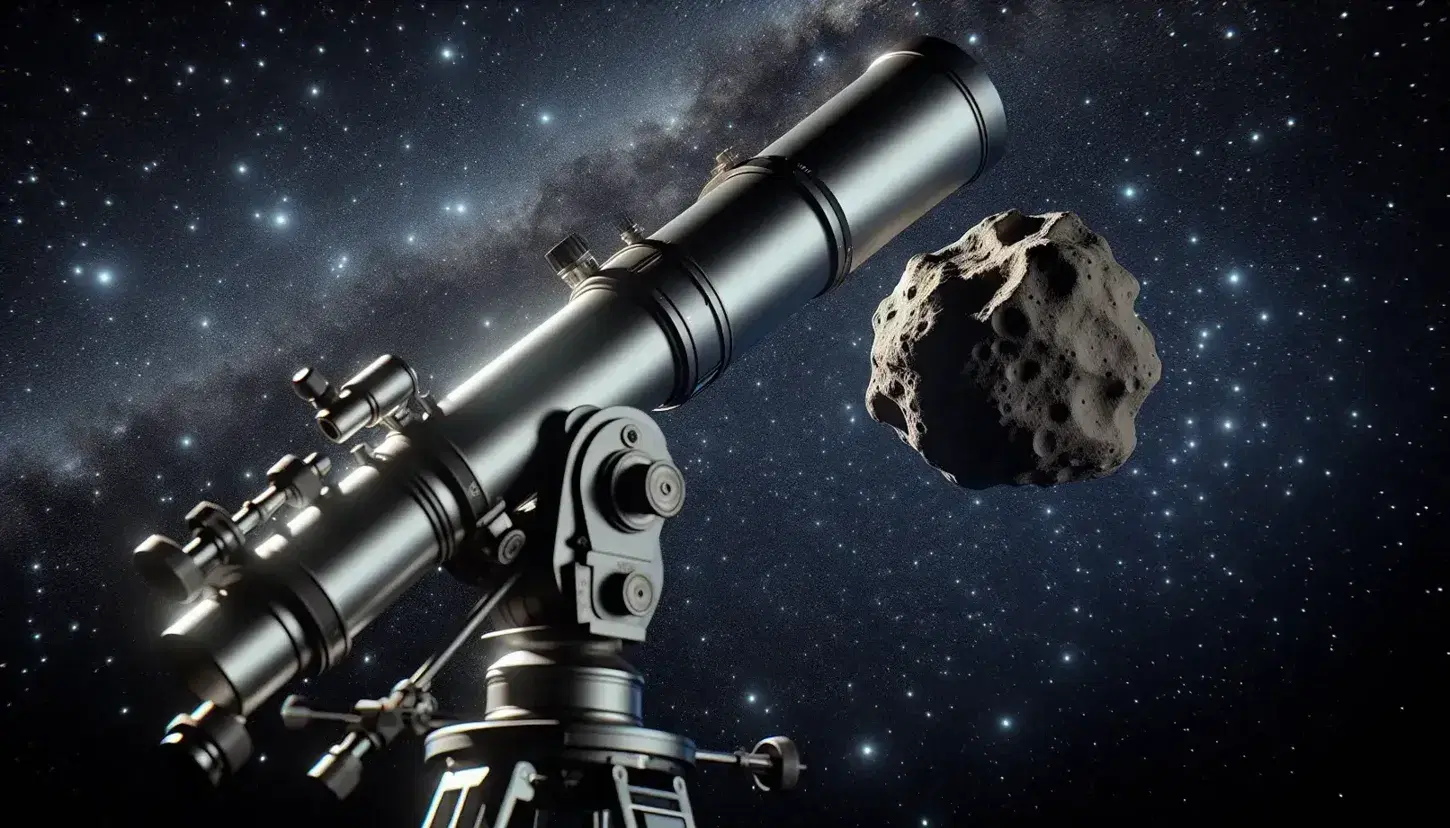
(630, 435)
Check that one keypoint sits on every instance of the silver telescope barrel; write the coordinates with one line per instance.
(663, 318)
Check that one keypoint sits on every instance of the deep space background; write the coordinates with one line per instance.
(1247, 619)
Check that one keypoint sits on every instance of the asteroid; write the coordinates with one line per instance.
(1014, 356)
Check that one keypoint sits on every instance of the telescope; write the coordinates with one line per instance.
(543, 482)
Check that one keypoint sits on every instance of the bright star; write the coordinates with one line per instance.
(447, 53)
(1129, 192)
(867, 750)
(544, 118)
(104, 276)
(1006, 723)
(186, 441)
(1233, 278)
(316, 91)
(280, 219)
(241, 169)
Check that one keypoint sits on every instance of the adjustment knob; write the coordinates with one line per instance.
(341, 769)
(629, 231)
(166, 568)
(656, 489)
(313, 387)
(203, 513)
(572, 261)
(567, 252)
(785, 764)
(295, 712)
(630, 593)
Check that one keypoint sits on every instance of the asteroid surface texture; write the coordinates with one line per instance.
(1014, 356)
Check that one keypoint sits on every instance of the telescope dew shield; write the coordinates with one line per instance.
(660, 320)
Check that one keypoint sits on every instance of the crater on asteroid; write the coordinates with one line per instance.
(1014, 355)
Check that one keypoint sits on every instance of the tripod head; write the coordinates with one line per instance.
(542, 482)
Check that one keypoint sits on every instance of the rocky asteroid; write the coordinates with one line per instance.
(1014, 355)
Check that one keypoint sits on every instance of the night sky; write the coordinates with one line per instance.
(1248, 618)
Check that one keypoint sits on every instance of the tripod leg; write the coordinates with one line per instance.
(645, 806)
(476, 798)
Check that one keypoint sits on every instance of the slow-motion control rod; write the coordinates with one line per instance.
(478, 482)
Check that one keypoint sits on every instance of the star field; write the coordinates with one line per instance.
(198, 202)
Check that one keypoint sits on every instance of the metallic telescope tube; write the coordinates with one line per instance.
(661, 320)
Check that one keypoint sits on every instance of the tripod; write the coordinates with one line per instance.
(561, 741)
